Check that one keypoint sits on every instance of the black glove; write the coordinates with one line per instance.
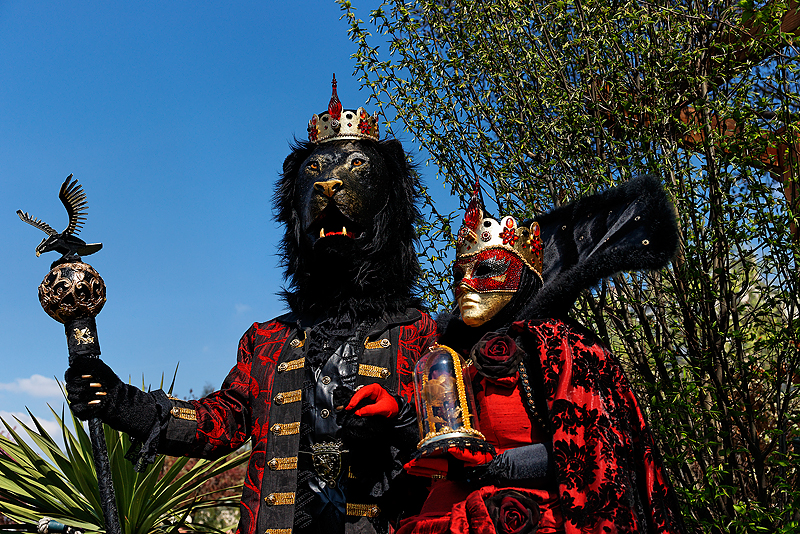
(529, 465)
(94, 390)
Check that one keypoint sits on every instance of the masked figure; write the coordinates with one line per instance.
(322, 393)
(573, 452)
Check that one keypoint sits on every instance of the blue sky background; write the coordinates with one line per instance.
(175, 117)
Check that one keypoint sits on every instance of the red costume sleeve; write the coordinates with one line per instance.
(226, 418)
(609, 471)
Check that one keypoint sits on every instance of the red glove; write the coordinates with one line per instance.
(470, 458)
(378, 402)
(436, 466)
(427, 467)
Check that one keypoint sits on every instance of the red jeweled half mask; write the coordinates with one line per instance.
(489, 270)
(485, 282)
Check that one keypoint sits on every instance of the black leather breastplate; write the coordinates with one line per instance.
(319, 415)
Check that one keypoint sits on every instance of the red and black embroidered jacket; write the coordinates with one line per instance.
(260, 401)
(608, 471)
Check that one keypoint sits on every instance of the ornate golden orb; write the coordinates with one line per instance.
(72, 290)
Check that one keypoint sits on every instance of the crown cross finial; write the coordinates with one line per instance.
(335, 106)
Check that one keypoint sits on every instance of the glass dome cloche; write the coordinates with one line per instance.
(445, 404)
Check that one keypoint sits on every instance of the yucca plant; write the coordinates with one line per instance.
(62, 484)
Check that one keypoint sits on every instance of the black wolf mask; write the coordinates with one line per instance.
(349, 209)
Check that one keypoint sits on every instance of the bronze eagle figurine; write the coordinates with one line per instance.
(67, 243)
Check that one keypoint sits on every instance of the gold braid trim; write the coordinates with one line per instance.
(278, 531)
(363, 510)
(291, 365)
(282, 464)
(379, 344)
(285, 397)
(285, 429)
(373, 371)
(278, 499)
(183, 413)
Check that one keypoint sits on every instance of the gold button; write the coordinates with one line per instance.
(282, 367)
(325, 413)
(276, 428)
(645, 242)
(279, 398)
(385, 373)
(273, 464)
(326, 380)
(385, 343)
(271, 498)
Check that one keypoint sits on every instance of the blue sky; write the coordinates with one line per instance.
(175, 117)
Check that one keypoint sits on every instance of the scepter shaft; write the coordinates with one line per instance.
(82, 341)
(105, 482)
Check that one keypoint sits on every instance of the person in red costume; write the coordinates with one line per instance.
(573, 452)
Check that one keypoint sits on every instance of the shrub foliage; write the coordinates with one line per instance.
(547, 101)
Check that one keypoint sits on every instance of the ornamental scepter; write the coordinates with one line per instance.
(73, 293)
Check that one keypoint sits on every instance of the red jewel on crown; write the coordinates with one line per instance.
(363, 124)
(509, 236)
(312, 129)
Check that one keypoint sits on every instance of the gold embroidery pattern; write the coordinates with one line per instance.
(286, 397)
(183, 413)
(373, 371)
(363, 510)
(82, 337)
(278, 531)
(282, 464)
(291, 365)
(379, 344)
(285, 429)
(278, 499)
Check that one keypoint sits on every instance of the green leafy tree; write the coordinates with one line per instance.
(547, 101)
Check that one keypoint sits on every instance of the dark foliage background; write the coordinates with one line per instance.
(549, 101)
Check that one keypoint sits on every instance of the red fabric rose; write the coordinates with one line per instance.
(496, 355)
(513, 512)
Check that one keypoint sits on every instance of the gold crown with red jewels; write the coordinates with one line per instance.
(479, 233)
(337, 123)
